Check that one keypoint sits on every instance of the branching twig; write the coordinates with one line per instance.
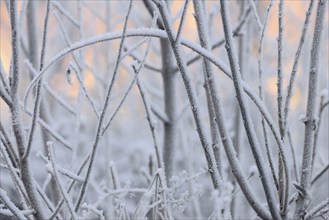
(59, 182)
(36, 107)
(26, 176)
(182, 21)
(310, 123)
(249, 127)
(130, 86)
(10, 205)
(191, 94)
(294, 68)
(102, 116)
(317, 209)
(261, 91)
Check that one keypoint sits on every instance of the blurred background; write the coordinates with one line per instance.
(128, 141)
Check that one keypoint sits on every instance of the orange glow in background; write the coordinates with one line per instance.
(293, 19)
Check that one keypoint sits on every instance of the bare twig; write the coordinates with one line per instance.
(191, 94)
(59, 182)
(182, 21)
(322, 106)
(153, 129)
(211, 92)
(130, 86)
(261, 91)
(294, 68)
(26, 176)
(249, 127)
(102, 116)
(36, 108)
(279, 79)
(254, 9)
(310, 123)
(320, 173)
(51, 131)
(64, 12)
(10, 205)
(9, 146)
(293, 154)
(317, 209)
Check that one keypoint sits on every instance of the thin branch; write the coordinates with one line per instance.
(310, 123)
(59, 182)
(279, 78)
(160, 114)
(15, 176)
(9, 147)
(4, 79)
(261, 91)
(64, 12)
(182, 21)
(5, 96)
(254, 9)
(249, 127)
(320, 173)
(127, 91)
(191, 93)
(141, 65)
(51, 131)
(103, 113)
(61, 202)
(36, 108)
(317, 209)
(147, 65)
(10, 205)
(318, 126)
(295, 65)
(45, 198)
(26, 176)
(293, 154)
(210, 85)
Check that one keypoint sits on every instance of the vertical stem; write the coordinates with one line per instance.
(294, 68)
(26, 174)
(279, 79)
(262, 96)
(249, 127)
(102, 116)
(203, 33)
(279, 100)
(310, 123)
(191, 93)
(170, 100)
(32, 34)
(169, 76)
(242, 39)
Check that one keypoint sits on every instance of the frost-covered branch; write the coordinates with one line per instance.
(10, 205)
(249, 127)
(317, 209)
(295, 65)
(26, 175)
(191, 94)
(102, 116)
(310, 123)
(60, 183)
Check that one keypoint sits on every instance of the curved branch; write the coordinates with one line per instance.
(153, 32)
